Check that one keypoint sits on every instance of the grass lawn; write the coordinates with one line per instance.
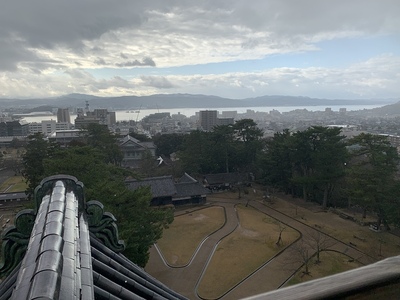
(243, 251)
(377, 244)
(13, 184)
(181, 239)
(254, 242)
(331, 263)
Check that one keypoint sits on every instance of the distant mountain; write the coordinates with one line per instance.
(79, 96)
(306, 101)
(387, 110)
(177, 101)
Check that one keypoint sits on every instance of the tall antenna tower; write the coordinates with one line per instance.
(86, 106)
(138, 112)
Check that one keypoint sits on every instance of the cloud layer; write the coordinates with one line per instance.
(105, 47)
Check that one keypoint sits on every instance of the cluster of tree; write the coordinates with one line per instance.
(318, 165)
(228, 148)
(372, 179)
(95, 161)
(307, 163)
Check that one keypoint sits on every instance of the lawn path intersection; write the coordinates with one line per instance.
(270, 276)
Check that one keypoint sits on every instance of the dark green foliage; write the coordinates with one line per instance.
(324, 156)
(306, 163)
(316, 165)
(16, 143)
(140, 225)
(277, 162)
(391, 207)
(228, 148)
(246, 130)
(144, 225)
(37, 150)
(223, 145)
(148, 166)
(99, 137)
(248, 144)
(371, 176)
(168, 143)
(196, 155)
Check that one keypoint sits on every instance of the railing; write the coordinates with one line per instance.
(380, 280)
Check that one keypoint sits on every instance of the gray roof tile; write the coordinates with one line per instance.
(222, 178)
(186, 178)
(65, 261)
(160, 186)
(190, 189)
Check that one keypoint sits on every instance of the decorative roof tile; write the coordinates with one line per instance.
(61, 252)
(186, 178)
(190, 189)
(162, 186)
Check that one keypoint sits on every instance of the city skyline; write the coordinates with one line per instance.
(324, 49)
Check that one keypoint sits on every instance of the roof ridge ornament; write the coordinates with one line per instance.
(103, 226)
(16, 239)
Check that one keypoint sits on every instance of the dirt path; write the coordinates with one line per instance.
(184, 280)
(276, 272)
(270, 276)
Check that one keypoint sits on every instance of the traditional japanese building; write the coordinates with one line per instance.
(187, 191)
(134, 151)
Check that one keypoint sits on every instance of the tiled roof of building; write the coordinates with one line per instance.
(190, 189)
(160, 186)
(13, 196)
(222, 178)
(69, 249)
(126, 139)
(129, 138)
(186, 178)
(148, 145)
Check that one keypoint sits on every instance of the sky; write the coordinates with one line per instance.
(342, 49)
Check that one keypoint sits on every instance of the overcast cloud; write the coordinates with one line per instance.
(230, 48)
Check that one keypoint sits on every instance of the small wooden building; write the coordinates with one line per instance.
(165, 191)
(224, 181)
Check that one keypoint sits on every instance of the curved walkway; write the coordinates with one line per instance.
(184, 280)
(269, 277)
(274, 273)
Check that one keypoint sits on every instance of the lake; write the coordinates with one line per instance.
(124, 115)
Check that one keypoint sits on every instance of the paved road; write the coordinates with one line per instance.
(269, 277)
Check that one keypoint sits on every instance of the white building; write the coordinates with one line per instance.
(48, 126)
(134, 151)
(64, 137)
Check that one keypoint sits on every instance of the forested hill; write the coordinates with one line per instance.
(179, 101)
(387, 110)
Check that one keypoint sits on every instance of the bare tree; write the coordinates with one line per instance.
(281, 229)
(301, 253)
(310, 245)
(318, 241)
